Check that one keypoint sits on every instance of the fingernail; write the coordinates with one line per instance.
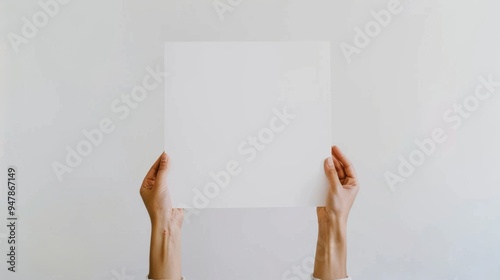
(329, 162)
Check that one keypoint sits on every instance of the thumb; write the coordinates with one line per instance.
(161, 176)
(331, 173)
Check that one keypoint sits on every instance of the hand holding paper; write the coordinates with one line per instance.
(165, 250)
(331, 249)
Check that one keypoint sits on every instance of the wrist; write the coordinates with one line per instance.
(161, 226)
(334, 230)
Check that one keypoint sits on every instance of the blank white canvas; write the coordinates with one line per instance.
(221, 94)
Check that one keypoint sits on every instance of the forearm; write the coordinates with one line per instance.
(331, 252)
(165, 253)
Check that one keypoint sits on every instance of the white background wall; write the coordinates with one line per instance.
(441, 223)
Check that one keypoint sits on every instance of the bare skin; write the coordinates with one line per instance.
(166, 223)
(331, 248)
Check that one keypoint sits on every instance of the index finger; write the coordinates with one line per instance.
(348, 167)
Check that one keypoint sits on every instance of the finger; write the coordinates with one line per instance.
(346, 163)
(153, 170)
(161, 175)
(338, 167)
(331, 173)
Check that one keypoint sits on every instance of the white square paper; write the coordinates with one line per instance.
(247, 124)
